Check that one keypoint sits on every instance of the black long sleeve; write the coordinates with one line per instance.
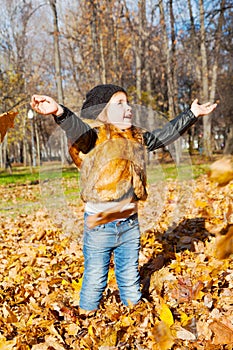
(170, 132)
(77, 131)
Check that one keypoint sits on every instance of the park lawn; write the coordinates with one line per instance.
(155, 172)
(28, 189)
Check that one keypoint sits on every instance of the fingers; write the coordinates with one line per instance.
(36, 99)
(213, 106)
(41, 104)
(207, 104)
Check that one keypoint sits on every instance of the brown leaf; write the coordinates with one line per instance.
(224, 245)
(222, 333)
(221, 171)
(6, 122)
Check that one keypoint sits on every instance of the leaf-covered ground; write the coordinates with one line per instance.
(186, 269)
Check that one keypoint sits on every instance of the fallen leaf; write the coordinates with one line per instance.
(222, 333)
(7, 344)
(166, 315)
(184, 334)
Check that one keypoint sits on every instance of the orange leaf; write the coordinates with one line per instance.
(221, 171)
(224, 246)
(222, 333)
(6, 122)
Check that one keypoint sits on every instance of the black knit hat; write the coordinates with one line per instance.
(97, 98)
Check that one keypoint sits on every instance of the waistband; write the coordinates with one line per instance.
(104, 218)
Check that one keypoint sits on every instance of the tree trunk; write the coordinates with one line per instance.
(205, 85)
(216, 52)
(178, 146)
(170, 70)
(229, 142)
(57, 62)
(102, 58)
(168, 62)
(193, 44)
(94, 35)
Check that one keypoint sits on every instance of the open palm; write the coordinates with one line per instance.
(43, 104)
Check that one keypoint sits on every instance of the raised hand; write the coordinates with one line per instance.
(45, 105)
(204, 109)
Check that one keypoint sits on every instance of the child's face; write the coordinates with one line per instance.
(119, 112)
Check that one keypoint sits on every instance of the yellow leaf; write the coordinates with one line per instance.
(126, 321)
(7, 345)
(77, 285)
(42, 248)
(165, 315)
(64, 282)
(29, 322)
(110, 338)
(201, 204)
(164, 339)
(90, 331)
(184, 318)
(111, 275)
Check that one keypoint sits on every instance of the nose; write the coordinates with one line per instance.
(128, 107)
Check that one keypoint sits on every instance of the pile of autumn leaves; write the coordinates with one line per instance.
(187, 277)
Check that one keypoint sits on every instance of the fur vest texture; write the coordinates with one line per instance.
(115, 168)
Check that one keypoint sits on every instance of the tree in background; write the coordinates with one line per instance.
(162, 56)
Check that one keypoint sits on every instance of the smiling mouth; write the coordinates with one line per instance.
(128, 117)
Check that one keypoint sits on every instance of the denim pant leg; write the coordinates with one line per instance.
(126, 256)
(97, 249)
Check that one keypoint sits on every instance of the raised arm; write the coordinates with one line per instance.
(76, 130)
(176, 127)
(45, 105)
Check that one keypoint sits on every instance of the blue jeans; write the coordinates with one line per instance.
(122, 238)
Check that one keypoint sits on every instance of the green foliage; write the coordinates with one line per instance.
(172, 171)
(23, 175)
(26, 175)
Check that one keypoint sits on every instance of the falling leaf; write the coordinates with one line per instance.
(6, 122)
(221, 171)
(164, 339)
(224, 245)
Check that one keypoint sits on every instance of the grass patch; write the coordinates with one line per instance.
(156, 172)
(183, 172)
(20, 175)
(26, 175)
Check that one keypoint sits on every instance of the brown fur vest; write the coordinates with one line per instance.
(115, 168)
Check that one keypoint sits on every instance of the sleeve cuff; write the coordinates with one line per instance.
(65, 115)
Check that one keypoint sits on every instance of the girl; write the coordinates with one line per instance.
(111, 159)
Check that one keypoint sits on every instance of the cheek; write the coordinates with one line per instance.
(114, 113)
